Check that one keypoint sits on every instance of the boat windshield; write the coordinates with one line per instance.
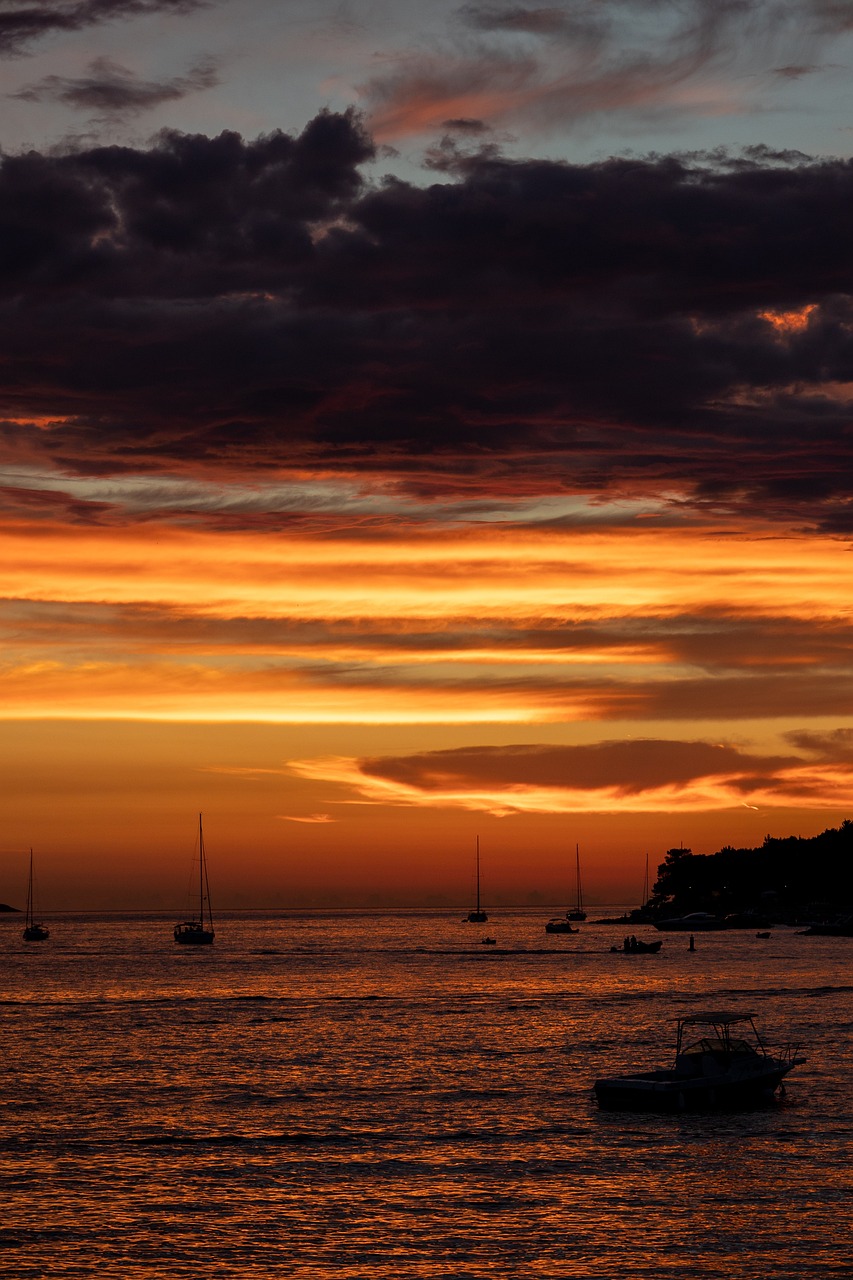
(708, 1045)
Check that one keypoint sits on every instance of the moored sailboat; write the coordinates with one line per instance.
(199, 931)
(32, 931)
(477, 916)
(578, 913)
(564, 924)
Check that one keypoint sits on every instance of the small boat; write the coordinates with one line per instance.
(715, 1071)
(578, 913)
(696, 922)
(840, 928)
(477, 916)
(561, 925)
(762, 935)
(637, 947)
(746, 920)
(32, 932)
(488, 942)
(198, 932)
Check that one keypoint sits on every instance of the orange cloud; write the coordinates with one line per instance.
(483, 625)
(788, 322)
(779, 787)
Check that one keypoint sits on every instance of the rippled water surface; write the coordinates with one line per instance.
(379, 1095)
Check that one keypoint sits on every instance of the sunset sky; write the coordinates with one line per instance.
(421, 423)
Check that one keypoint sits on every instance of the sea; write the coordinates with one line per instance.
(381, 1094)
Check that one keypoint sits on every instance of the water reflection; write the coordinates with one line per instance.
(316, 1099)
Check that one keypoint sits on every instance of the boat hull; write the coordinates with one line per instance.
(666, 1091)
(640, 948)
(690, 926)
(188, 936)
(35, 933)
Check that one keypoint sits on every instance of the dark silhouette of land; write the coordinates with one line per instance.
(791, 878)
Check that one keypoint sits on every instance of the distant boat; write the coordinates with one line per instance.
(563, 924)
(637, 947)
(478, 916)
(578, 913)
(198, 932)
(643, 913)
(32, 932)
(841, 928)
(694, 923)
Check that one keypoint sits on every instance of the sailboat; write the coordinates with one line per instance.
(32, 932)
(578, 913)
(478, 916)
(200, 930)
(563, 924)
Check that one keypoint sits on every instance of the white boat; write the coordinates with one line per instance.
(696, 922)
(715, 1071)
(562, 924)
(198, 932)
(32, 931)
(478, 916)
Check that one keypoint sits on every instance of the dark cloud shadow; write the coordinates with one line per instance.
(112, 92)
(629, 767)
(21, 25)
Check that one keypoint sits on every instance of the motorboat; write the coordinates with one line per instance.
(488, 942)
(841, 928)
(637, 947)
(719, 1068)
(562, 924)
(695, 922)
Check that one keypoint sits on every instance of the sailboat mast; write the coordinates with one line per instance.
(646, 884)
(29, 919)
(200, 872)
(478, 875)
(578, 877)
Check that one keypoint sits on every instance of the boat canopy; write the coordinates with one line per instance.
(721, 1019)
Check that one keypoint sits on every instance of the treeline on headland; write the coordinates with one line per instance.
(795, 877)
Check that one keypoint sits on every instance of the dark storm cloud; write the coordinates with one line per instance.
(670, 324)
(110, 91)
(628, 766)
(22, 24)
